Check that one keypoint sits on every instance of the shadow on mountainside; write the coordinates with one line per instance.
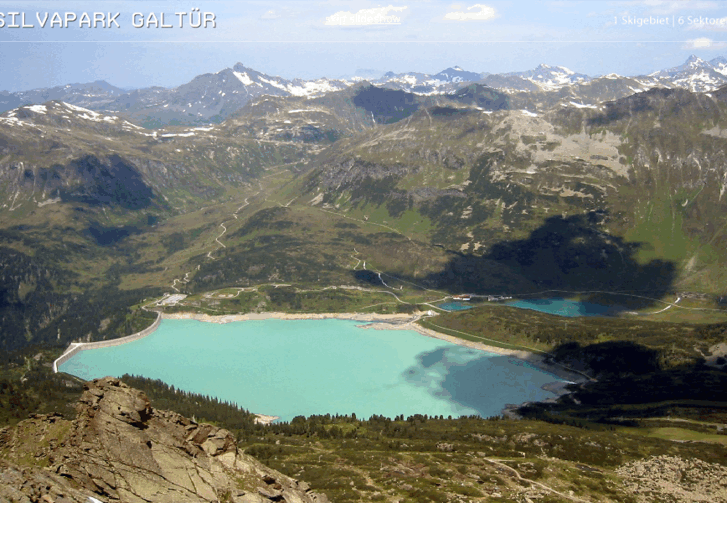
(692, 388)
(608, 359)
(386, 105)
(567, 254)
(630, 378)
(95, 181)
(112, 182)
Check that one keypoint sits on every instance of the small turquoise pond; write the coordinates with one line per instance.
(454, 305)
(287, 368)
(565, 307)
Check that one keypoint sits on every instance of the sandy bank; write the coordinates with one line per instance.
(264, 419)
(520, 354)
(536, 360)
(226, 319)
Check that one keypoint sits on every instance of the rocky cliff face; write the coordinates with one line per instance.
(120, 449)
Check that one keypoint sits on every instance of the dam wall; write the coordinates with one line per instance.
(75, 348)
(71, 351)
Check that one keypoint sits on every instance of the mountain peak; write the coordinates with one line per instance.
(695, 74)
(456, 74)
(452, 69)
(694, 60)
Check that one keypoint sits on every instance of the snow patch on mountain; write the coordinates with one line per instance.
(37, 108)
(12, 121)
(582, 105)
(244, 78)
(552, 78)
(273, 83)
(696, 74)
(216, 96)
(720, 65)
(311, 88)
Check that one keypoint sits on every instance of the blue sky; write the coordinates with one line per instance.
(334, 38)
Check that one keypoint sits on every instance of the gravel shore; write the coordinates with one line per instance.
(264, 419)
(226, 319)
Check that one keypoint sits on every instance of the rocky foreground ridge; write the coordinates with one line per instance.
(120, 449)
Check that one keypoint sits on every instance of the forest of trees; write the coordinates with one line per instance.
(201, 408)
(28, 385)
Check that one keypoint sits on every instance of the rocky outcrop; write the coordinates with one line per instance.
(120, 449)
(673, 479)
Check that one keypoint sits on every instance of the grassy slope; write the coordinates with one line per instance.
(676, 343)
(296, 241)
(464, 460)
(655, 210)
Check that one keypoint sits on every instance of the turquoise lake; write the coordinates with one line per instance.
(564, 307)
(287, 368)
(453, 306)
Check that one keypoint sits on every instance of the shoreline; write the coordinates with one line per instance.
(562, 375)
(355, 316)
(76, 347)
(265, 419)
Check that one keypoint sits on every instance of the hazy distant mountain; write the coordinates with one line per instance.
(720, 65)
(214, 97)
(551, 77)
(544, 77)
(368, 73)
(447, 80)
(696, 74)
(457, 75)
(93, 95)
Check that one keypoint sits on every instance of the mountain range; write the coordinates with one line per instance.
(476, 189)
(383, 196)
(455, 191)
(211, 98)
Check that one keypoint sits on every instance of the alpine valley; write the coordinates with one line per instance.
(251, 193)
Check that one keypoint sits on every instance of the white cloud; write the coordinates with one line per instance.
(703, 43)
(271, 14)
(700, 43)
(367, 17)
(481, 13)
